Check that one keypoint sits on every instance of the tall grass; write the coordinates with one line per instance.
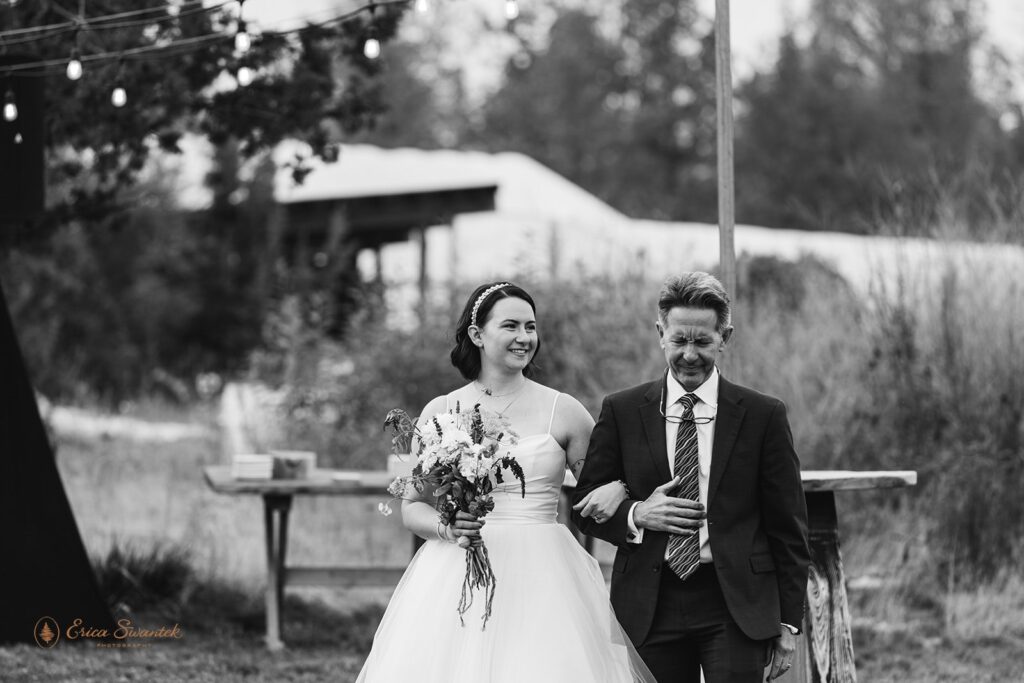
(919, 371)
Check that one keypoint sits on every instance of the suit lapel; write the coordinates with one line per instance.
(654, 428)
(727, 427)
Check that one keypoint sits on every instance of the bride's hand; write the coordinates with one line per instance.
(601, 503)
(465, 530)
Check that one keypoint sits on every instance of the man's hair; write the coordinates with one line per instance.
(697, 290)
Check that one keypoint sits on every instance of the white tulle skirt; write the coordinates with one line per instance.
(551, 620)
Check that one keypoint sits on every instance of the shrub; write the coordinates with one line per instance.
(132, 579)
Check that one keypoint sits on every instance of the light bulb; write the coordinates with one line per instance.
(371, 48)
(511, 9)
(10, 106)
(244, 76)
(74, 70)
(422, 6)
(243, 41)
(18, 139)
(119, 97)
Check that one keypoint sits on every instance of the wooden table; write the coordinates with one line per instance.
(277, 502)
(825, 655)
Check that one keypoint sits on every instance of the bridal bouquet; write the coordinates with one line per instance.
(462, 455)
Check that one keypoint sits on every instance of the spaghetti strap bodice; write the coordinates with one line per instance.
(543, 463)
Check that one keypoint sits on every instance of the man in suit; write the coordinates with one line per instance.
(712, 561)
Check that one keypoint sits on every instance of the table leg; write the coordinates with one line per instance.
(275, 509)
(829, 640)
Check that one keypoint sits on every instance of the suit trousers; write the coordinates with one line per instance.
(693, 629)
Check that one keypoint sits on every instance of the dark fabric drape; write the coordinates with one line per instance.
(44, 568)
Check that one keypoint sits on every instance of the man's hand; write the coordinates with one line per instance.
(780, 654)
(664, 512)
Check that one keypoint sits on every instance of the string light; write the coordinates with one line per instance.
(18, 139)
(119, 96)
(243, 41)
(371, 48)
(422, 6)
(10, 106)
(244, 76)
(74, 70)
(511, 10)
(144, 18)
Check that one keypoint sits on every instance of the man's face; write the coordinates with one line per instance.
(692, 344)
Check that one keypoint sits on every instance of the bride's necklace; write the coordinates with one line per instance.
(486, 391)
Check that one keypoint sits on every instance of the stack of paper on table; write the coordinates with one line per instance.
(252, 466)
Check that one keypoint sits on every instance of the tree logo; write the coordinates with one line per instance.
(47, 632)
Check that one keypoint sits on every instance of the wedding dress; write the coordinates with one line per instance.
(551, 620)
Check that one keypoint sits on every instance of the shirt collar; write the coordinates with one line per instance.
(707, 392)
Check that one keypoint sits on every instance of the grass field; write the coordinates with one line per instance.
(141, 495)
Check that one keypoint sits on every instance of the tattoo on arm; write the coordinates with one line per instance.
(577, 466)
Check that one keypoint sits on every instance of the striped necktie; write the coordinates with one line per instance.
(684, 551)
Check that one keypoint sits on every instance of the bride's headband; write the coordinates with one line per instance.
(483, 297)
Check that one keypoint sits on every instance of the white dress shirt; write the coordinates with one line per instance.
(707, 406)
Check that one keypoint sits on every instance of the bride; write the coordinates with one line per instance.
(551, 620)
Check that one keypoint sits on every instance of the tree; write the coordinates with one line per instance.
(876, 119)
(627, 114)
(423, 96)
(801, 143)
(309, 83)
(562, 105)
(670, 96)
(113, 280)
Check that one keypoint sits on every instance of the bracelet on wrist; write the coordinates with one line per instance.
(624, 487)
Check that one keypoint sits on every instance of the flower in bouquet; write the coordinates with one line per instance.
(462, 456)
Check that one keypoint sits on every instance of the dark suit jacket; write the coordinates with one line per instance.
(757, 517)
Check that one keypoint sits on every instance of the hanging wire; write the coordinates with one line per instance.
(44, 68)
(94, 25)
(190, 7)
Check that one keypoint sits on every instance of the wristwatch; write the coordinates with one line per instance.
(792, 629)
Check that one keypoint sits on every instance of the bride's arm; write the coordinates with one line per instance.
(422, 519)
(601, 503)
(573, 420)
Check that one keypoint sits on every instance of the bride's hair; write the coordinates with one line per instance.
(465, 354)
